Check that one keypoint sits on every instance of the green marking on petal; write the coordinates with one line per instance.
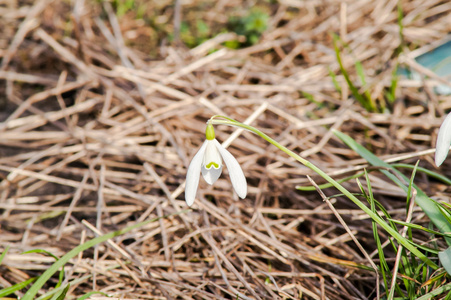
(212, 164)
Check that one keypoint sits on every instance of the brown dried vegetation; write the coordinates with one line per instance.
(100, 115)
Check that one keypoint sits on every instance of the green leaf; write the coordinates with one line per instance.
(17, 287)
(428, 205)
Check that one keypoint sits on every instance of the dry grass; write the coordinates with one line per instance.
(101, 115)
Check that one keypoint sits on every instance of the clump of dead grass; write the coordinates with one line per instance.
(98, 128)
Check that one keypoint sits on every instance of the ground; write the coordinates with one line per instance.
(103, 105)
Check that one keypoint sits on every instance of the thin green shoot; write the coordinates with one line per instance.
(41, 251)
(365, 102)
(267, 279)
(334, 81)
(361, 73)
(2, 256)
(391, 93)
(310, 98)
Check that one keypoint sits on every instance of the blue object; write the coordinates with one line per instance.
(436, 58)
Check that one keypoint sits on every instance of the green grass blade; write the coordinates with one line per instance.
(361, 73)
(62, 296)
(2, 256)
(445, 205)
(391, 93)
(383, 266)
(72, 282)
(17, 287)
(416, 226)
(409, 188)
(448, 296)
(335, 81)
(430, 173)
(435, 292)
(31, 293)
(42, 251)
(310, 98)
(445, 212)
(428, 205)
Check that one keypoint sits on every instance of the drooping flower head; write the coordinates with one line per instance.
(443, 141)
(208, 161)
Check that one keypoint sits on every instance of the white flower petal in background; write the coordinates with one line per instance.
(443, 141)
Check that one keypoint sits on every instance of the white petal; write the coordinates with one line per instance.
(236, 174)
(443, 141)
(192, 176)
(212, 163)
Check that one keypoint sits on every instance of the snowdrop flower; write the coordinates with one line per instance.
(443, 141)
(208, 161)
